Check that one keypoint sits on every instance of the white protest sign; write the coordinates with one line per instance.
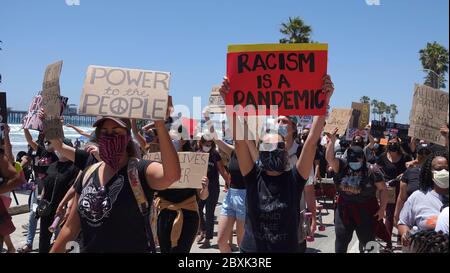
(125, 93)
(194, 167)
(51, 102)
(428, 114)
(216, 103)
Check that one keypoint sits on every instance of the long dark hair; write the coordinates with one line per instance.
(426, 175)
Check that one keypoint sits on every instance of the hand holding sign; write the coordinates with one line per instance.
(277, 77)
(444, 131)
(332, 136)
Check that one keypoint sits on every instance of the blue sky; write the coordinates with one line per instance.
(373, 50)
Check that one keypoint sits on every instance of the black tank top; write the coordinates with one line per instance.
(237, 180)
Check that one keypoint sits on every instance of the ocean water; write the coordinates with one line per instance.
(19, 142)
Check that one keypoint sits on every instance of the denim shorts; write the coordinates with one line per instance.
(234, 204)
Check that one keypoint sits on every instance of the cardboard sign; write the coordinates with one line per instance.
(216, 104)
(305, 120)
(194, 167)
(31, 121)
(125, 93)
(3, 113)
(428, 114)
(339, 118)
(360, 116)
(287, 78)
(381, 129)
(51, 102)
(352, 132)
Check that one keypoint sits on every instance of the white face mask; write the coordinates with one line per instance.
(206, 149)
(440, 178)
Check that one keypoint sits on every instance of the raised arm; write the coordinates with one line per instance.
(67, 151)
(79, 131)
(444, 133)
(8, 146)
(306, 160)
(371, 139)
(137, 135)
(225, 147)
(332, 161)
(243, 155)
(161, 175)
(33, 144)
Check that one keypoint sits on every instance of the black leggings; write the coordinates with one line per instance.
(344, 233)
(44, 234)
(190, 226)
(207, 223)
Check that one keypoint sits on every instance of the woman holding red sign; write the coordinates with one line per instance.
(273, 188)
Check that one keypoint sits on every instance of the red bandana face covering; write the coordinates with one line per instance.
(112, 148)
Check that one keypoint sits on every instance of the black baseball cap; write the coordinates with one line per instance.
(123, 122)
(354, 153)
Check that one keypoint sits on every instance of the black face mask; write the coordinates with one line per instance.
(395, 147)
(358, 143)
(274, 161)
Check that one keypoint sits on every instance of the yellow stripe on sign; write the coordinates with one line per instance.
(276, 47)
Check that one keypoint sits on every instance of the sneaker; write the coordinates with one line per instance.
(200, 238)
(25, 249)
(25, 226)
(206, 244)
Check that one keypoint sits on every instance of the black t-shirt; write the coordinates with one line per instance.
(60, 177)
(110, 218)
(393, 170)
(356, 187)
(84, 159)
(177, 195)
(412, 178)
(237, 180)
(273, 211)
(213, 172)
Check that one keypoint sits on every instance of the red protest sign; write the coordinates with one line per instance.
(189, 124)
(283, 77)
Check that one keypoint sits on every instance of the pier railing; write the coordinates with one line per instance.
(16, 117)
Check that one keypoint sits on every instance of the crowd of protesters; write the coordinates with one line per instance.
(106, 198)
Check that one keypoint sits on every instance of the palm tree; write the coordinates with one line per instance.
(393, 112)
(296, 31)
(374, 104)
(364, 99)
(388, 111)
(381, 109)
(434, 60)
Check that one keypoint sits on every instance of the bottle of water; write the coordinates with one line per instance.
(409, 234)
(55, 224)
